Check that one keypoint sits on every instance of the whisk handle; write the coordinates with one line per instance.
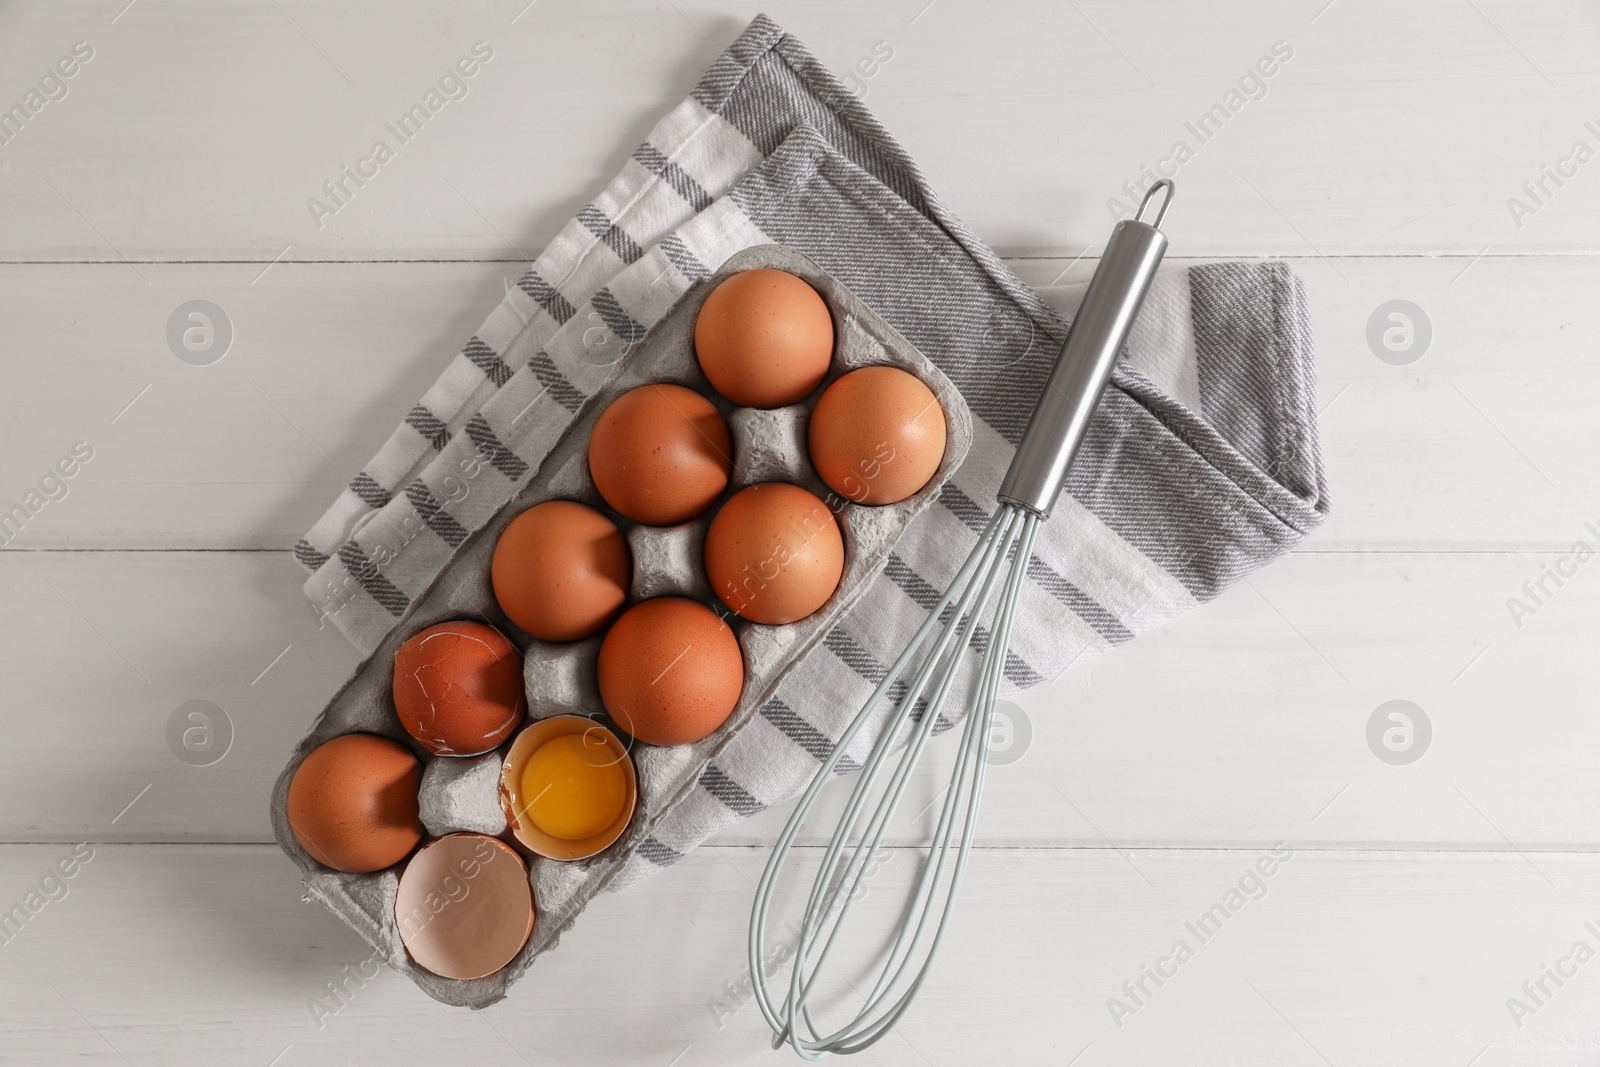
(1039, 468)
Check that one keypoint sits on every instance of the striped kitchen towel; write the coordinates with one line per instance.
(1202, 463)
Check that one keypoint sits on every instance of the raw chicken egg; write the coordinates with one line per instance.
(671, 671)
(764, 338)
(458, 688)
(774, 553)
(876, 435)
(568, 787)
(561, 571)
(575, 788)
(352, 803)
(661, 454)
(464, 907)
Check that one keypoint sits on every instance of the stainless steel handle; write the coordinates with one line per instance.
(1039, 469)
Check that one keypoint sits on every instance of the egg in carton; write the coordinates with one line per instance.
(464, 794)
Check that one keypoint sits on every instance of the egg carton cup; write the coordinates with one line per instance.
(464, 794)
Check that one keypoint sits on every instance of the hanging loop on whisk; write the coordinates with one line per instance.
(1172, 190)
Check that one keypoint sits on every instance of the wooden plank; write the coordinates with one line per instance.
(1481, 445)
(179, 955)
(1240, 721)
(1390, 129)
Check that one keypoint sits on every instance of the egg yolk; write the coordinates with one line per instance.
(575, 787)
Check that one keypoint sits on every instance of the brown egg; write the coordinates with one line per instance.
(353, 803)
(774, 553)
(876, 435)
(458, 688)
(561, 571)
(764, 338)
(661, 454)
(670, 671)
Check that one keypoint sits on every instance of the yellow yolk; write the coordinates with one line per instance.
(574, 787)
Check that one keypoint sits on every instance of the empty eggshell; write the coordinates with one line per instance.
(464, 907)
(353, 803)
(670, 671)
(458, 688)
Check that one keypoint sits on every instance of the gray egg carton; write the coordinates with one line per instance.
(464, 794)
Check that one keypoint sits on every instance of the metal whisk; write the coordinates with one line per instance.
(999, 561)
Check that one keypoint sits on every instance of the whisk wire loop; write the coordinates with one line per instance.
(1006, 541)
(939, 663)
(757, 940)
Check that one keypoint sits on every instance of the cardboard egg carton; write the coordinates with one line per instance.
(464, 794)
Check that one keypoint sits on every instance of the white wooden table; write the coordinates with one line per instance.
(1379, 161)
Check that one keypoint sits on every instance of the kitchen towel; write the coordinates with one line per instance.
(1201, 465)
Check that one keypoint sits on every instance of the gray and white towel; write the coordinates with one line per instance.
(1202, 463)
